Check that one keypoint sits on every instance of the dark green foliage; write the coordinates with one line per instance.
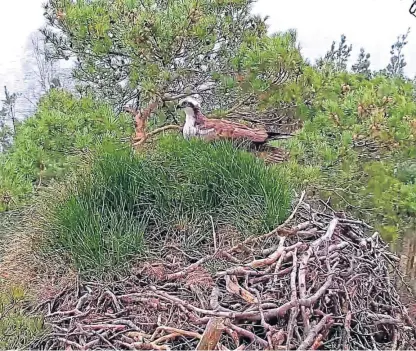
(51, 143)
(406, 171)
(8, 121)
(159, 46)
(337, 58)
(397, 60)
(130, 52)
(362, 66)
(112, 215)
(266, 75)
(357, 148)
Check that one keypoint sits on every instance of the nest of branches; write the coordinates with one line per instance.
(318, 281)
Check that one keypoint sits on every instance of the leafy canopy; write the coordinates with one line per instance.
(135, 51)
(129, 49)
(358, 146)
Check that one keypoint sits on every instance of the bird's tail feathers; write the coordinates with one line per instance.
(277, 135)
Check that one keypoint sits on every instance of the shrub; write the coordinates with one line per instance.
(361, 139)
(129, 201)
(50, 143)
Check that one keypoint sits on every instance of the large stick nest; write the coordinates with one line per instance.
(316, 282)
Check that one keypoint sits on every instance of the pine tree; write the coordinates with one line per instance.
(5, 132)
(8, 120)
(362, 66)
(397, 60)
(126, 50)
(130, 52)
(336, 58)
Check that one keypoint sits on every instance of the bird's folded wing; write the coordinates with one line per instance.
(232, 130)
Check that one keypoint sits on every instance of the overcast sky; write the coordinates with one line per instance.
(372, 24)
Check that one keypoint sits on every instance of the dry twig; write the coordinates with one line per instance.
(295, 290)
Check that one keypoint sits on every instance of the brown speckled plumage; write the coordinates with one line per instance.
(198, 125)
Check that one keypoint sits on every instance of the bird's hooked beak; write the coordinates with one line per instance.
(187, 105)
(181, 104)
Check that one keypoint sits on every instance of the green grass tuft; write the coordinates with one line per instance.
(126, 201)
(18, 329)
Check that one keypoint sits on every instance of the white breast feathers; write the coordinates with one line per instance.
(189, 130)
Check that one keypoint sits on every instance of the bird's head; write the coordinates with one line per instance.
(189, 104)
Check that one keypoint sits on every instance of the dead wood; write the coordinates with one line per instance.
(321, 284)
(140, 123)
(212, 334)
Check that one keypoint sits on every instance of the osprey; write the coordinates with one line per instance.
(197, 125)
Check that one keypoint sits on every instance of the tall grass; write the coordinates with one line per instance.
(126, 201)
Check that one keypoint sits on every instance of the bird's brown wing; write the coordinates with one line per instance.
(221, 128)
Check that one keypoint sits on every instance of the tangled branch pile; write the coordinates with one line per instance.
(320, 284)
